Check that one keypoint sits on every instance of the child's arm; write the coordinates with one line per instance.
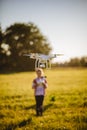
(34, 84)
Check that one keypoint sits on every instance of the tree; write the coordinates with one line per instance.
(83, 61)
(74, 62)
(1, 35)
(23, 38)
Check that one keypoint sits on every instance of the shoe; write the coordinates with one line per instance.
(41, 114)
(37, 113)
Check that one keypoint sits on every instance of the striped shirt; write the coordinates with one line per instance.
(39, 85)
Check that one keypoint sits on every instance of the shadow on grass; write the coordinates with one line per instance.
(27, 121)
(30, 107)
(47, 106)
(34, 106)
(19, 125)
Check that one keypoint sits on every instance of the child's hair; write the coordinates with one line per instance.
(39, 69)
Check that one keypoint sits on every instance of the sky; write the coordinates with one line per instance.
(63, 22)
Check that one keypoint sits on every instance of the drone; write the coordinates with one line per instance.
(42, 60)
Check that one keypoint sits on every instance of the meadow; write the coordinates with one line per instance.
(65, 104)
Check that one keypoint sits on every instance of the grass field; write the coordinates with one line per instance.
(65, 104)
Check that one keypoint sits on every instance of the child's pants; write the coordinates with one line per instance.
(39, 104)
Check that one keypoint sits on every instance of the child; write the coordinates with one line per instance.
(39, 85)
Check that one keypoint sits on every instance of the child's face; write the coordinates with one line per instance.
(39, 73)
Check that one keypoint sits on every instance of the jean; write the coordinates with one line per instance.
(39, 104)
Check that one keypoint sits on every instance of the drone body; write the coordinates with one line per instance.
(42, 60)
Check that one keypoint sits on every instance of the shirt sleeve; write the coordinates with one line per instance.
(34, 84)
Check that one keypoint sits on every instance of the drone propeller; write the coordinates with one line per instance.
(31, 55)
(55, 55)
(59, 54)
(27, 55)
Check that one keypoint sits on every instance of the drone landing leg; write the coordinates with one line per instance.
(36, 64)
(49, 64)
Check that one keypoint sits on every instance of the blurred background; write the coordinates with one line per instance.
(48, 27)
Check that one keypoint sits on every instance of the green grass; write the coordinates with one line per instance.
(65, 104)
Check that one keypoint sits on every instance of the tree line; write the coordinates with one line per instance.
(73, 62)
